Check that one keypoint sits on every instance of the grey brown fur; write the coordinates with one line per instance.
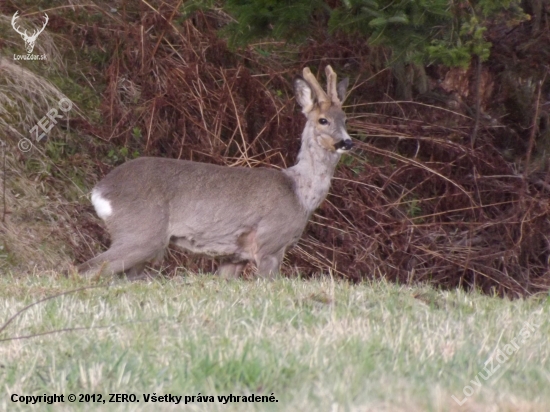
(233, 213)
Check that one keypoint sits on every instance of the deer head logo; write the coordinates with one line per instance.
(29, 40)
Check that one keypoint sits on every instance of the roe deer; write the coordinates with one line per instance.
(237, 214)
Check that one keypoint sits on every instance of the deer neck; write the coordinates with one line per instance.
(313, 171)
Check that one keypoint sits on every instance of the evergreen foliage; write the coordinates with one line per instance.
(422, 31)
(416, 31)
(404, 26)
(280, 19)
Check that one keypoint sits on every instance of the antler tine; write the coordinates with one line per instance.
(318, 90)
(17, 29)
(38, 31)
(331, 85)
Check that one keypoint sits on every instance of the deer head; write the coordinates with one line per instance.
(323, 110)
(29, 40)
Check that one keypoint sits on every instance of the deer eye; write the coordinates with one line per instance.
(323, 121)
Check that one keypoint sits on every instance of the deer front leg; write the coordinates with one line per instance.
(230, 270)
(269, 265)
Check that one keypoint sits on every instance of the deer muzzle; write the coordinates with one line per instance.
(344, 145)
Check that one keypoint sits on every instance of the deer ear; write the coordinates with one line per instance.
(304, 95)
(341, 89)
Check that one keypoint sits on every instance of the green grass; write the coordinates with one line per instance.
(317, 345)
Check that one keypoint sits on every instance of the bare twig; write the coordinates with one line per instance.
(534, 126)
(19, 312)
(478, 101)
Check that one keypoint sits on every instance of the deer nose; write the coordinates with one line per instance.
(344, 144)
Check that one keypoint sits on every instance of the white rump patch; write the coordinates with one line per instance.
(102, 206)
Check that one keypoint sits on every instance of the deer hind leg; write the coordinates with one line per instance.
(230, 270)
(269, 265)
(136, 272)
(137, 236)
(122, 257)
